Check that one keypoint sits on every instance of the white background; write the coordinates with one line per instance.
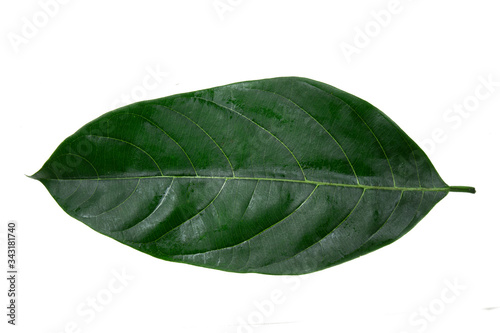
(81, 60)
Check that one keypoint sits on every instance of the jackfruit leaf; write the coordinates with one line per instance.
(275, 176)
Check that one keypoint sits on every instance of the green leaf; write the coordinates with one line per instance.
(276, 176)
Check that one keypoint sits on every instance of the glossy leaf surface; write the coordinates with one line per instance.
(275, 176)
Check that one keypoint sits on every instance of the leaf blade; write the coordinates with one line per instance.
(275, 176)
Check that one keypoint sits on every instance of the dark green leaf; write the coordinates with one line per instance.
(276, 176)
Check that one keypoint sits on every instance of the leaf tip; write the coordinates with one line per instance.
(37, 175)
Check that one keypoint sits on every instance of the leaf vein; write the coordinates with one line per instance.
(328, 132)
(364, 122)
(121, 203)
(161, 129)
(203, 130)
(139, 148)
(379, 228)
(184, 222)
(162, 199)
(322, 238)
(264, 129)
(262, 231)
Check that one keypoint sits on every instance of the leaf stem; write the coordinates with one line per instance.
(465, 189)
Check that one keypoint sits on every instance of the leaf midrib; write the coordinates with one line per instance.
(298, 181)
